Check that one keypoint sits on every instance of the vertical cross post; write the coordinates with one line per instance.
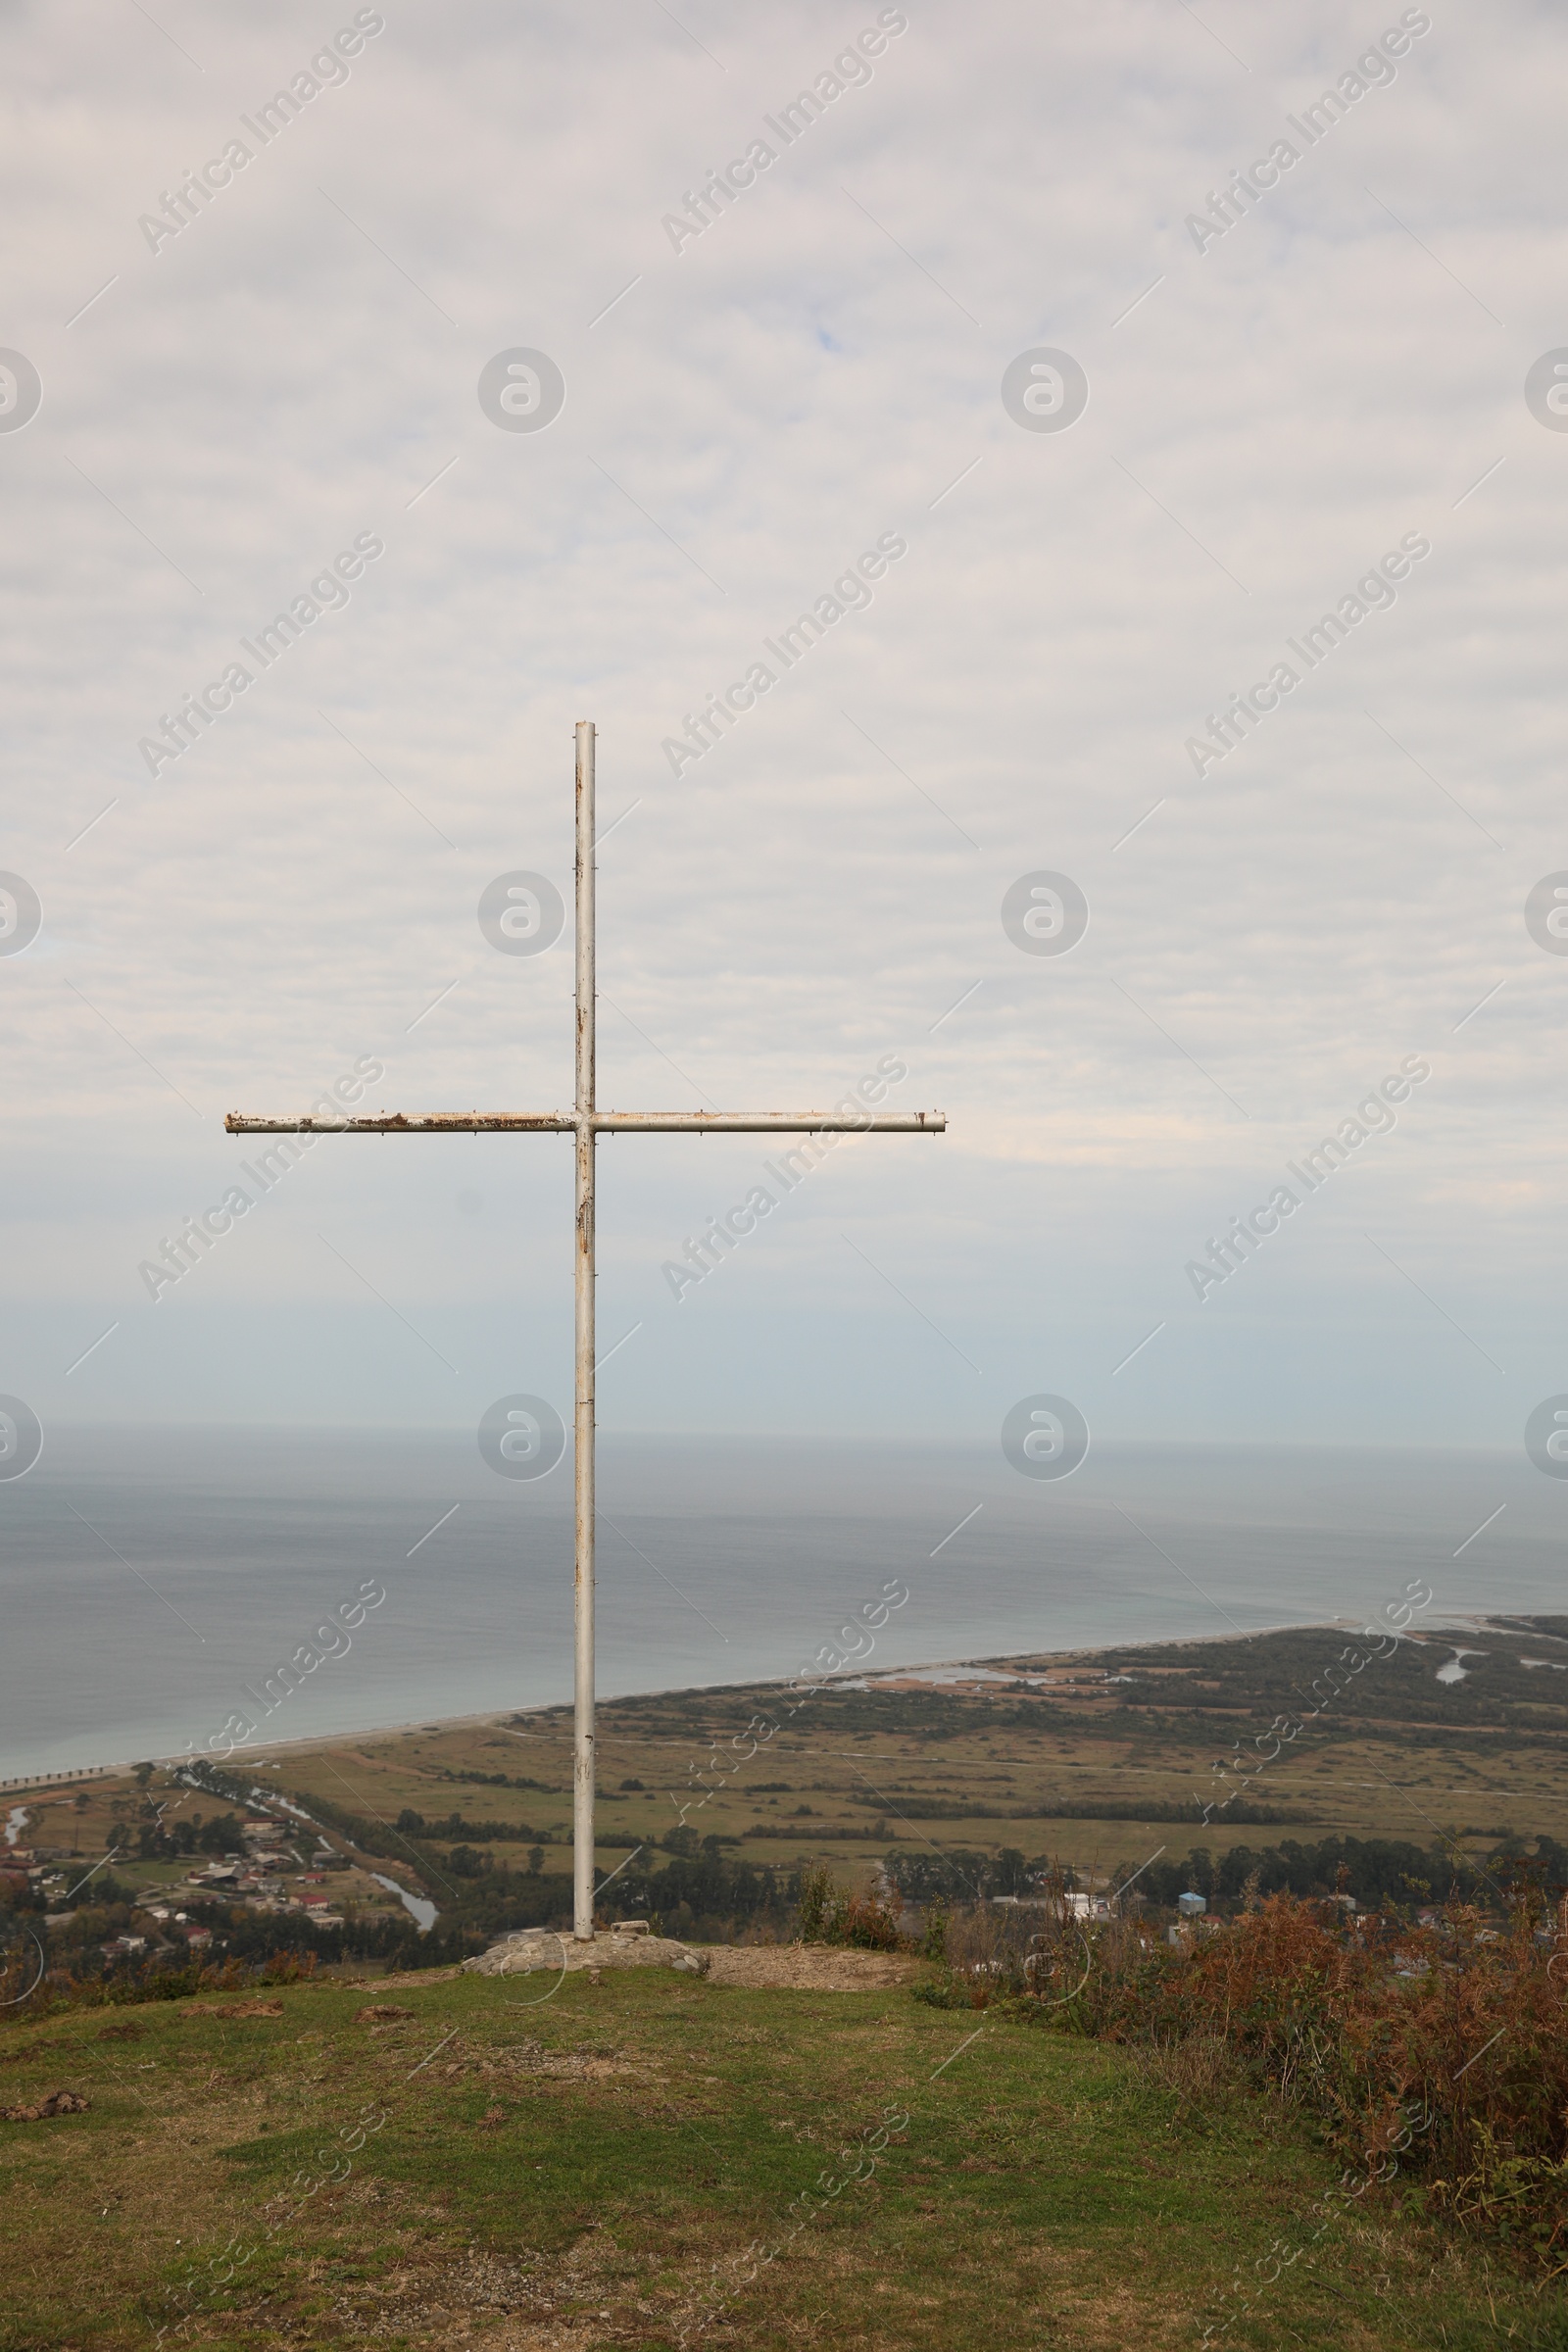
(582, 1800)
(584, 1124)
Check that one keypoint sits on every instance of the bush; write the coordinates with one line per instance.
(1437, 2048)
(155, 1981)
(828, 1913)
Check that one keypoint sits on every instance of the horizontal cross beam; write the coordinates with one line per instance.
(601, 1122)
(585, 1123)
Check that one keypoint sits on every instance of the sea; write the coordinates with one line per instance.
(152, 1581)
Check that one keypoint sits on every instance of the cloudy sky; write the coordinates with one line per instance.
(1276, 403)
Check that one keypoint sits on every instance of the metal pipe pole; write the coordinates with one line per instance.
(582, 1804)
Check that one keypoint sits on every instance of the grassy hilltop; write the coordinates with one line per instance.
(624, 2164)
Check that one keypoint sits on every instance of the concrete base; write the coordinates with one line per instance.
(530, 1949)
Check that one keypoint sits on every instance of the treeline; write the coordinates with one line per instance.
(483, 1832)
(504, 1779)
(963, 1877)
(705, 1897)
(817, 1830)
(941, 1808)
(218, 1836)
(467, 1833)
(1378, 1871)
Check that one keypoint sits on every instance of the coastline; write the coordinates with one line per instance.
(256, 1754)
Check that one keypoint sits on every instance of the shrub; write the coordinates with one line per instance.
(1443, 2043)
(828, 1913)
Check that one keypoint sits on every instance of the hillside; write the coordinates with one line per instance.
(654, 2161)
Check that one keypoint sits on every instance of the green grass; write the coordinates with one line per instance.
(651, 2129)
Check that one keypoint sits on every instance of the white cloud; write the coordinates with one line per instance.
(815, 370)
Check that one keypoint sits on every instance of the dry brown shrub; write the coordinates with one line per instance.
(1201, 2070)
(1440, 2050)
(1437, 2053)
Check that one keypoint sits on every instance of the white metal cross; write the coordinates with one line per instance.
(586, 1122)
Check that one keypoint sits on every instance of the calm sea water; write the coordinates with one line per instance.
(148, 1578)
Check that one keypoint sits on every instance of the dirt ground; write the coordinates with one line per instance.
(774, 1967)
(806, 1966)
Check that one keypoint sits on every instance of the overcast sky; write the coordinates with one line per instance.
(1275, 405)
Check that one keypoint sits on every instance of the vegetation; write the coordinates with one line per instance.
(219, 1834)
(962, 1874)
(1375, 1872)
(1432, 2050)
(654, 2162)
(706, 2162)
(828, 1913)
(1092, 1759)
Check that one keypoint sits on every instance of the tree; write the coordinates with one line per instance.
(1008, 1874)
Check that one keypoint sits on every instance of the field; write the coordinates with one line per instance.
(623, 2163)
(1097, 1761)
(1085, 1765)
(1088, 1766)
